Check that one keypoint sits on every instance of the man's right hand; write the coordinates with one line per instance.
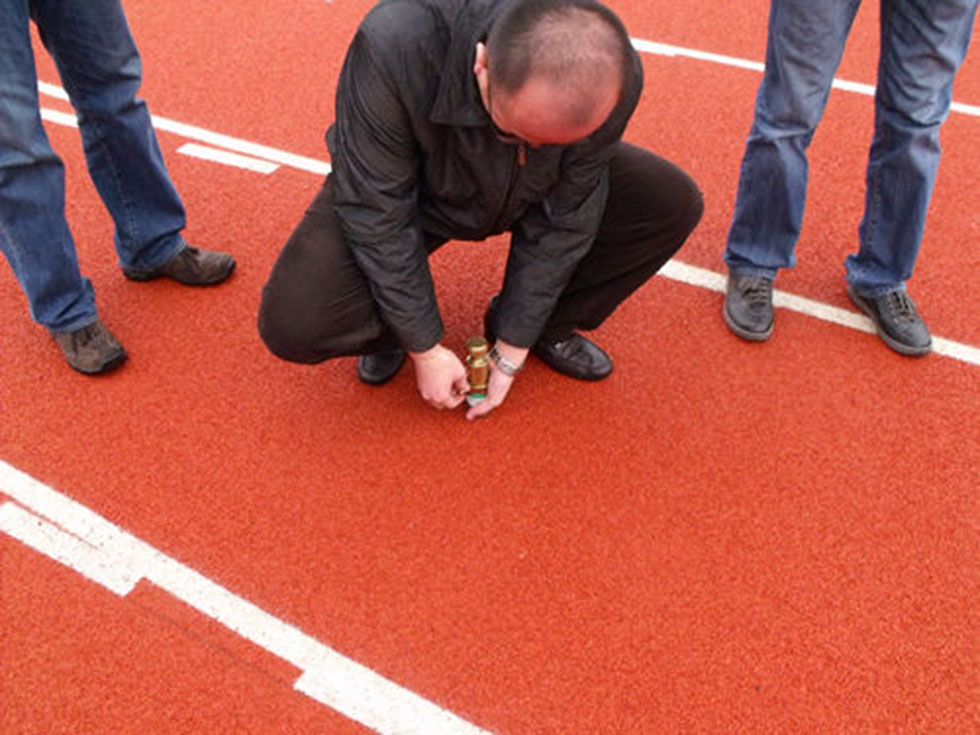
(440, 376)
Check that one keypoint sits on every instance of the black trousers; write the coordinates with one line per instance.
(317, 304)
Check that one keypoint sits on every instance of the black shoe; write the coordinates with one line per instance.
(574, 356)
(896, 320)
(191, 266)
(380, 367)
(91, 350)
(748, 307)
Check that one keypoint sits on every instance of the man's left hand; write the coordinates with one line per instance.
(500, 383)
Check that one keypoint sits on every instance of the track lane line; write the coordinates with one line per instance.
(92, 562)
(72, 534)
(218, 155)
(663, 49)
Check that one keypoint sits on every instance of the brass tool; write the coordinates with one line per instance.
(477, 369)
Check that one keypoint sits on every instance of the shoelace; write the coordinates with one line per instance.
(756, 291)
(901, 306)
(85, 335)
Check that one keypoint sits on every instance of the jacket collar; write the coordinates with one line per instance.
(458, 100)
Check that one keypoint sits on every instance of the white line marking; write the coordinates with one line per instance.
(112, 557)
(242, 146)
(91, 562)
(663, 49)
(228, 158)
(52, 90)
(59, 118)
(211, 138)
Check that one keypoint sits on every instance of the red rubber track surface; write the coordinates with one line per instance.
(721, 537)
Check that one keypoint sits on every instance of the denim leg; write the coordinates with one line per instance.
(804, 48)
(101, 70)
(923, 43)
(34, 235)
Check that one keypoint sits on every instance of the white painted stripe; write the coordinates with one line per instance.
(663, 49)
(59, 118)
(242, 146)
(956, 350)
(52, 90)
(965, 109)
(227, 158)
(89, 561)
(390, 708)
(714, 281)
(211, 138)
(104, 552)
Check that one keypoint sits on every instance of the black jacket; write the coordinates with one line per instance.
(413, 151)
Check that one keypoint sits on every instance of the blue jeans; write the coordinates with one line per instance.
(923, 43)
(100, 68)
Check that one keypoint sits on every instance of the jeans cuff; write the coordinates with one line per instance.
(753, 271)
(76, 325)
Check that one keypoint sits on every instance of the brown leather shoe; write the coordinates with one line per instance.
(191, 266)
(91, 350)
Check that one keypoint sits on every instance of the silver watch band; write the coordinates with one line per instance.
(507, 367)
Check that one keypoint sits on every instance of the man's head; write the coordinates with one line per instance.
(552, 71)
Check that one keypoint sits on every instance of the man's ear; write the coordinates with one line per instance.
(480, 58)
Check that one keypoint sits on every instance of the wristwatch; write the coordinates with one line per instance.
(507, 367)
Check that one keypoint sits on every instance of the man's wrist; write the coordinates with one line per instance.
(508, 361)
(425, 355)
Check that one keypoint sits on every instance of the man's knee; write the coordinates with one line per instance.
(693, 207)
(297, 331)
(678, 210)
(286, 333)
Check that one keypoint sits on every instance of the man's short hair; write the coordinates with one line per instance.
(571, 43)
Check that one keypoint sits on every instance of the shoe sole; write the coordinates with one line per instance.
(744, 333)
(899, 347)
(106, 367)
(144, 276)
(588, 378)
(558, 368)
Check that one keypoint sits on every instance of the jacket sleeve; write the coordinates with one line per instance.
(548, 242)
(376, 169)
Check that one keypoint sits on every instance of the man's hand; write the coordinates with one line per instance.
(440, 376)
(499, 384)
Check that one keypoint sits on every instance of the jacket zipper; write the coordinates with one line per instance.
(520, 158)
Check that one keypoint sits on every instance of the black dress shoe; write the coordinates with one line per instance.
(575, 357)
(191, 266)
(380, 367)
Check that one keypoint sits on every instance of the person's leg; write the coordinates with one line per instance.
(652, 208)
(805, 44)
(34, 234)
(923, 43)
(101, 70)
(317, 304)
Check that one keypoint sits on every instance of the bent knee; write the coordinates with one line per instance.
(285, 333)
